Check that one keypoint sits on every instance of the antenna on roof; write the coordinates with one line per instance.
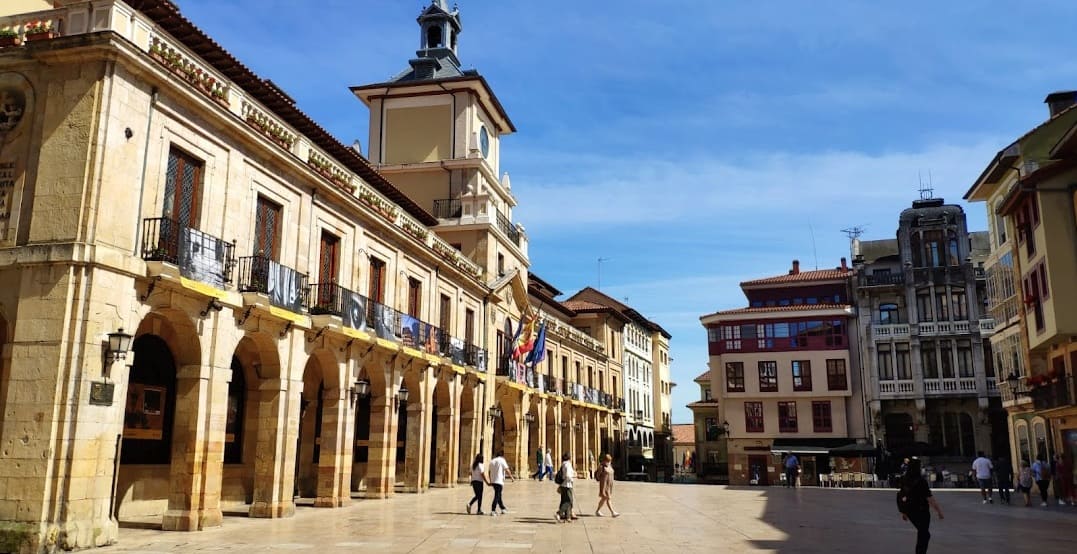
(854, 234)
(600, 260)
(814, 254)
(926, 191)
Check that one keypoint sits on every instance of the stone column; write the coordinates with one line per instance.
(448, 440)
(381, 457)
(274, 462)
(194, 499)
(469, 444)
(333, 490)
(417, 445)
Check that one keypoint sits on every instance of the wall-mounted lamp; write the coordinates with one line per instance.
(119, 344)
(402, 394)
(493, 413)
(529, 418)
(361, 389)
(578, 426)
(725, 427)
(639, 414)
(564, 425)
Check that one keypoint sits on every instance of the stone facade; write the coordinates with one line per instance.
(277, 289)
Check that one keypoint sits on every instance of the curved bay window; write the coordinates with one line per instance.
(233, 426)
(150, 403)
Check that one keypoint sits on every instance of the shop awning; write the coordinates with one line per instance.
(800, 449)
(817, 447)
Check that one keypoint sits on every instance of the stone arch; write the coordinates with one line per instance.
(442, 436)
(1025, 451)
(470, 427)
(317, 422)
(255, 397)
(1041, 439)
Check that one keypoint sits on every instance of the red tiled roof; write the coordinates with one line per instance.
(704, 404)
(583, 305)
(703, 376)
(817, 275)
(792, 308)
(684, 433)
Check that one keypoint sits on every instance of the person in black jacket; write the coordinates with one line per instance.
(914, 498)
(1004, 478)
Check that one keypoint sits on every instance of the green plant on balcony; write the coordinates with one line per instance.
(383, 207)
(36, 30)
(445, 251)
(9, 37)
(414, 229)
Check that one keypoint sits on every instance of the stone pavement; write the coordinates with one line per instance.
(655, 518)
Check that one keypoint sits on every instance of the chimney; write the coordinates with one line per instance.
(844, 265)
(1057, 102)
(796, 268)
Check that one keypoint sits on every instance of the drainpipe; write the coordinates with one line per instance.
(145, 164)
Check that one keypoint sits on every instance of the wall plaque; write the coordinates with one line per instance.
(101, 393)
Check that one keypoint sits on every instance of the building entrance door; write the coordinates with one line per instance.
(757, 470)
(808, 475)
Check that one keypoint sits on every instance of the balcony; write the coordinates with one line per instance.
(1014, 392)
(198, 256)
(507, 228)
(887, 331)
(940, 275)
(963, 385)
(448, 208)
(987, 327)
(942, 328)
(881, 280)
(1057, 393)
(285, 287)
(900, 387)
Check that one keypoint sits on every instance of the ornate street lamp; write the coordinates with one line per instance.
(119, 344)
(361, 389)
(402, 394)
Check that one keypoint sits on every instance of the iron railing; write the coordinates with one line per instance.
(1057, 393)
(286, 287)
(327, 299)
(881, 279)
(199, 255)
(448, 208)
(508, 228)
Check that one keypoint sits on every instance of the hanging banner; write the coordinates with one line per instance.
(201, 257)
(354, 311)
(284, 287)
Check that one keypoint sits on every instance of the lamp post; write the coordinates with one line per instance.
(493, 414)
(119, 343)
(361, 389)
(529, 418)
(402, 394)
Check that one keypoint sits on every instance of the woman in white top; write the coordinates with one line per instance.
(568, 475)
(478, 478)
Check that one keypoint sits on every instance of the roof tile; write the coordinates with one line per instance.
(803, 276)
(792, 308)
(684, 433)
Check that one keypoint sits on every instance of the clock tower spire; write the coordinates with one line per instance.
(439, 28)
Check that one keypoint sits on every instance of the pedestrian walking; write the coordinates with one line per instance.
(564, 479)
(499, 470)
(1024, 482)
(590, 464)
(983, 467)
(1004, 478)
(478, 478)
(604, 475)
(1063, 480)
(547, 466)
(1041, 472)
(913, 499)
(792, 468)
(538, 465)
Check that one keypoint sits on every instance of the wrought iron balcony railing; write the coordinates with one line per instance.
(448, 208)
(1056, 393)
(200, 256)
(881, 279)
(508, 228)
(285, 287)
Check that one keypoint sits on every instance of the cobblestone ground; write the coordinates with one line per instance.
(654, 518)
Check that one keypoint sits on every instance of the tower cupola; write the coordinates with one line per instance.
(439, 28)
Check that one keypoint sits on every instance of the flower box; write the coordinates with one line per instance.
(40, 35)
(9, 40)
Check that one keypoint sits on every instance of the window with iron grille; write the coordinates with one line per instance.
(376, 290)
(267, 223)
(445, 314)
(415, 293)
(787, 417)
(821, 421)
(469, 326)
(753, 417)
(183, 189)
(768, 376)
(836, 378)
(328, 258)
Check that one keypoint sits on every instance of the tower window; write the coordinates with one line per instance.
(433, 37)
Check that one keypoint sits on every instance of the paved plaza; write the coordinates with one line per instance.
(655, 518)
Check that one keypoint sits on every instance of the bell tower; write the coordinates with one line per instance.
(435, 131)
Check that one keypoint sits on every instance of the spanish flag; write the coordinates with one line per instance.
(525, 340)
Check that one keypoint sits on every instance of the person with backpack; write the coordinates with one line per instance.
(564, 479)
(1041, 472)
(913, 500)
(604, 476)
(1024, 482)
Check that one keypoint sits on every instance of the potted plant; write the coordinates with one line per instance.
(8, 37)
(38, 30)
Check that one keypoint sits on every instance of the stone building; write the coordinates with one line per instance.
(786, 376)
(929, 385)
(303, 322)
(1028, 192)
(710, 451)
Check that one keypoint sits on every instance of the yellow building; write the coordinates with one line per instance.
(1031, 206)
(710, 453)
(783, 376)
(208, 303)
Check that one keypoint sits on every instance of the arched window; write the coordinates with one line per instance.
(1040, 431)
(433, 37)
(1024, 451)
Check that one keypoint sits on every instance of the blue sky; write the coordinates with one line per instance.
(696, 144)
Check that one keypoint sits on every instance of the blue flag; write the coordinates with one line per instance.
(538, 352)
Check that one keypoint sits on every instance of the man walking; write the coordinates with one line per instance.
(1041, 472)
(982, 466)
(539, 470)
(792, 466)
(499, 469)
(1004, 477)
(547, 466)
